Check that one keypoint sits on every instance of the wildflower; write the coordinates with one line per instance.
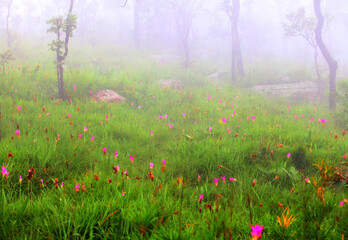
(199, 178)
(77, 188)
(223, 179)
(125, 172)
(19, 108)
(74, 87)
(292, 190)
(151, 165)
(253, 118)
(280, 205)
(139, 106)
(61, 185)
(236, 135)
(280, 145)
(42, 182)
(289, 155)
(83, 186)
(345, 156)
(256, 231)
(116, 155)
(90, 92)
(286, 220)
(228, 130)
(4, 171)
(56, 183)
(58, 136)
(151, 133)
(272, 152)
(254, 182)
(123, 192)
(201, 198)
(260, 205)
(132, 103)
(152, 177)
(233, 179)
(184, 115)
(107, 117)
(171, 125)
(31, 172)
(163, 165)
(216, 180)
(10, 154)
(80, 135)
(92, 139)
(209, 97)
(85, 129)
(104, 150)
(109, 180)
(17, 132)
(336, 136)
(131, 158)
(20, 179)
(116, 169)
(307, 180)
(210, 128)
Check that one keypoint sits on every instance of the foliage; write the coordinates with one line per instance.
(5, 57)
(342, 116)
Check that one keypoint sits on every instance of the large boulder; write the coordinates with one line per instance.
(107, 96)
(166, 83)
(165, 59)
(307, 90)
(218, 75)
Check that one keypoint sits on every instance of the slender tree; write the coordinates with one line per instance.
(232, 9)
(61, 47)
(9, 4)
(330, 61)
(298, 24)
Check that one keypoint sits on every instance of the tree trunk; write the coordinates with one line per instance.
(240, 65)
(330, 61)
(319, 79)
(136, 25)
(61, 83)
(7, 23)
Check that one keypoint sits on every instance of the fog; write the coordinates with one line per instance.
(155, 26)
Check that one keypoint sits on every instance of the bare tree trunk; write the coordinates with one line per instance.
(235, 35)
(7, 23)
(136, 24)
(61, 83)
(319, 79)
(331, 62)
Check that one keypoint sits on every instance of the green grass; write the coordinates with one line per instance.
(168, 207)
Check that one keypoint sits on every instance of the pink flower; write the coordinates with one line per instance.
(118, 168)
(184, 115)
(210, 128)
(151, 133)
(116, 155)
(61, 185)
(77, 187)
(223, 179)
(131, 158)
(139, 106)
(132, 103)
(256, 231)
(80, 135)
(151, 165)
(104, 150)
(200, 198)
(85, 129)
(4, 171)
(199, 178)
(20, 179)
(125, 172)
(253, 118)
(17, 132)
(209, 97)
(123, 192)
(19, 108)
(107, 117)
(216, 180)
(92, 138)
(233, 179)
(289, 155)
(90, 92)
(345, 156)
(307, 180)
(228, 130)
(163, 162)
(74, 87)
(171, 125)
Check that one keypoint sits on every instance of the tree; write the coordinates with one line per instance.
(4, 58)
(60, 47)
(183, 14)
(330, 61)
(9, 4)
(232, 10)
(298, 24)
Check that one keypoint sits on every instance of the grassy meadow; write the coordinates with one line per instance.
(210, 161)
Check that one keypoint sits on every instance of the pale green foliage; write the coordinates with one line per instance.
(5, 58)
(298, 24)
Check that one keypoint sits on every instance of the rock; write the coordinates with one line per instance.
(165, 59)
(308, 90)
(177, 84)
(107, 96)
(218, 76)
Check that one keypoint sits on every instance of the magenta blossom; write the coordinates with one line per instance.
(256, 231)
(4, 171)
(131, 158)
(152, 165)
